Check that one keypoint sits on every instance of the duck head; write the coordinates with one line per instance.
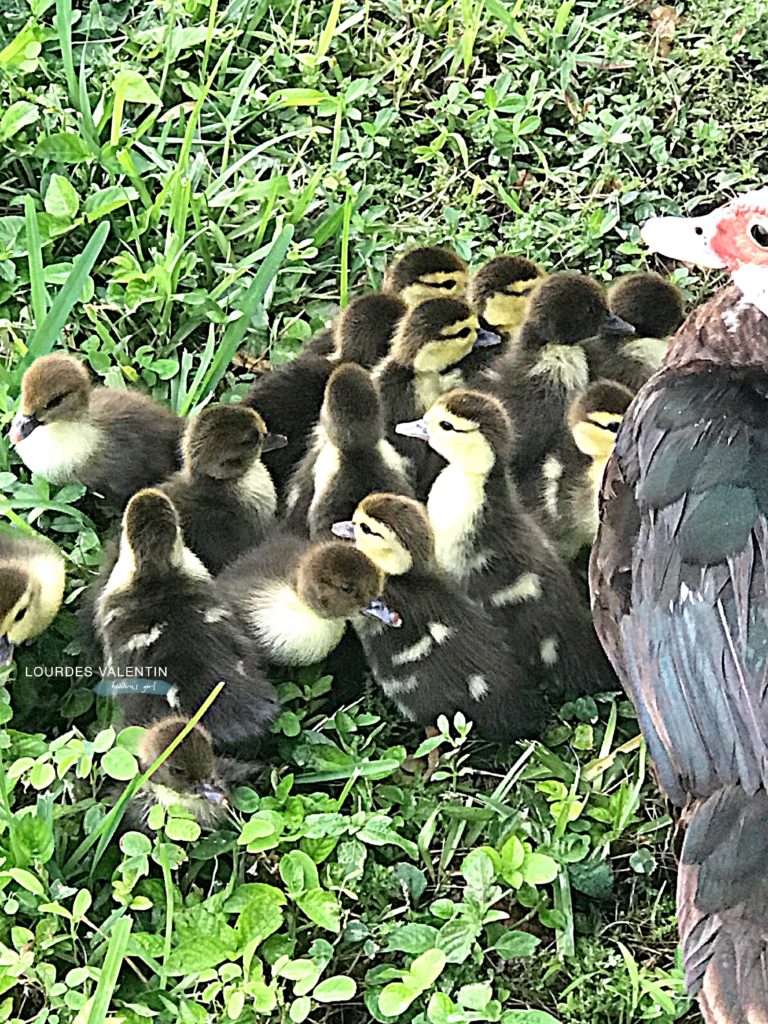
(30, 598)
(351, 415)
(567, 309)
(647, 301)
(435, 335)
(337, 581)
(55, 388)
(191, 770)
(501, 291)
(428, 272)
(363, 333)
(393, 532)
(595, 416)
(224, 441)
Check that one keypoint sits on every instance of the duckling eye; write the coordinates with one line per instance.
(613, 427)
(463, 333)
(760, 235)
(366, 529)
(445, 425)
(55, 401)
(20, 614)
(345, 588)
(521, 292)
(450, 283)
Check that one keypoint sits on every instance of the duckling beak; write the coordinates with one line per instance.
(271, 442)
(212, 793)
(616, 326)
(6, 651)
(414, 428)
(378, 610)
(486, 339)
(684, 238)
(345, 530)
(22, 426)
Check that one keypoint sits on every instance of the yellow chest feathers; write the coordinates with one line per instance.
(563, 365)
(427, 386)
(289, 629)
(256, 490)
(58, 451)
(455, 505)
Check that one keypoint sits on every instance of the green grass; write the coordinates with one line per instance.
(186, 179)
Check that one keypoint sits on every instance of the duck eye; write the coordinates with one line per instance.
(345, 588)
(366, 529)
(463, 333)
(445, 425)
(54, 402)
(760, 235)
(613, 427)
(20, 614)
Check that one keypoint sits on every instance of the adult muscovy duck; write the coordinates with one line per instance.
(679, 582)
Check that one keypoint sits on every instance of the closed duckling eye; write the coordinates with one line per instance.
(54, 402)
(760, 234)
(345, 588)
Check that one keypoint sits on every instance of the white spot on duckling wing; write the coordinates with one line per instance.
(552, 471)
(216, 615)
(527, 587)
(140, 641)
(439, 632)
(393, 686)
(415, 652)
(478, 687)
(548, 650)
(479, 561)
(172, 696)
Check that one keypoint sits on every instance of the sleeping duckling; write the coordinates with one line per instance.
(31, 589)
(111, 440)
(158, 610)
(290, 396)
(349, 458)
(224, 494)
(569, 484)
(192, 776)
(428, 344)
(538, 379)
(449, 655)
(654, 307)
(297, 596)
(427, 272)
(486, 539)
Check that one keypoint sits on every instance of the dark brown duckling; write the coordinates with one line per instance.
(427, 272)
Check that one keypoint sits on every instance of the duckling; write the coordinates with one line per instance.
(297, 596)
(349, 458)
(157, 609)
(192, 776)
(290, 396)
(428, 344)
(537, 381)
(427, 272)
(654, 307)
(501, 291)
(449, 655)
(569, 484)
(494, 549)
(224, 494)
(111, 440)
(31, 589)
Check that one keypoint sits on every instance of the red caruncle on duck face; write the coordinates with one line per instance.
(740, 235)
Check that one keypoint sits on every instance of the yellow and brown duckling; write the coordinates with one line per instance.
(290, 396)
(537, 381)
(111, 440)
(568, 488)
(654, 307)
(224, 493)
(448, 656)
(297, 596)
(427, 272)
(32, 579)
(496, 551)
(500, 293)
(156, 609)
(350, 457)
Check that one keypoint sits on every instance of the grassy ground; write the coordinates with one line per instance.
(183, 180)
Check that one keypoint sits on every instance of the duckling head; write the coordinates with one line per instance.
(435, 335)
(648, 301)
(191, 770)
(468, 428)
(351, 415)
(363, 332)
(428, 272)
(337, 581)
(151, 541)
(595, 416)
(501, 291)
(567, 309)
(224, 441)
(393, 531)
(56, 387)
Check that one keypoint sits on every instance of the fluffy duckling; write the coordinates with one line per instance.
(224, 494)
(654, 307)
(537, 381)
(158, 610)
(489, 543)
(448, 656)
(111, 440)
(569, 484)
(297, 596)
(31, 589)
(427, 272)
(192, 776)
(290, 396)
(349, 458)
(501, 291)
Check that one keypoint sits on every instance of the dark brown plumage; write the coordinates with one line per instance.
(427, 272)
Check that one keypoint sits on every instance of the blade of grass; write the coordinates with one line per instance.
(118, 943)
(35, 258)
(344, 269)
(64, 29)
(47, 333)
(326, 36)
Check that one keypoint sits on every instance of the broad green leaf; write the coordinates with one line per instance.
(25, 879)
(396, 997)
(133, 87)
(42, 775)
(182, 830)
(17, 116)
(321, 907)
(514, 943)
(475, 996)
(299, 97)
(299, 1009)
(512, 857)
(61, 199)
(196, 956)
(539, 869)
(412, 938)
(82, 904)
(135, 844)
(63, 148)
(427, 968)
(119, 764)
(107, 200)
(478, 870)
(337, 989)
(299, 873)
(262, 915)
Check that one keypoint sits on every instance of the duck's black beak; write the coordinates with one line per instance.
(378, 610)
(22, 426)
(616, 326)
(212, 793)
(6, 651)
(486, 339)
(345, 530)
(413, 428)
(271, 442)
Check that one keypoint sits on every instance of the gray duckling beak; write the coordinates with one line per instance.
(413, 428)
(271, 442)
(212, 793)
(486, 339)
(378, 610)
(617, 327)
(345, 530)
(22, 426)
(6, 651)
